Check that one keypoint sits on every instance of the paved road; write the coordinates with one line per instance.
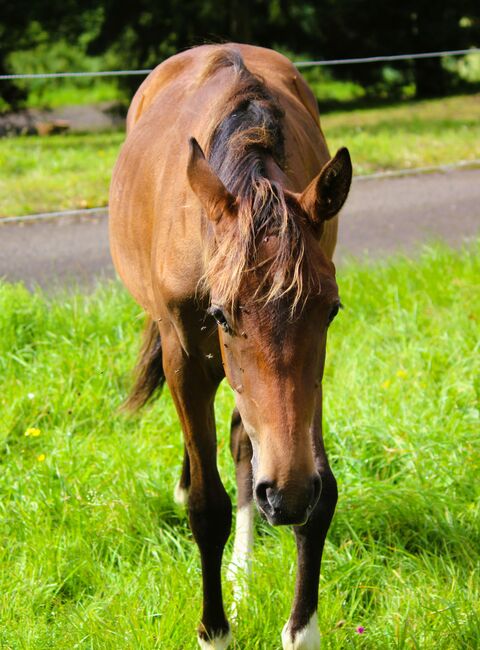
(381, 216)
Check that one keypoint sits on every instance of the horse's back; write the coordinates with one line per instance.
(148, 183)
(188, 65)
(155, 220)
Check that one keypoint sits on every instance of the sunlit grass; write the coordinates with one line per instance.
(66, 93)
(94, 553)
(57, 93)
(407, 135)
(57, 172)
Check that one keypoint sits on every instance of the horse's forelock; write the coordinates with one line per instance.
(251, 128)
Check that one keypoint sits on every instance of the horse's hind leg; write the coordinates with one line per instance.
(241, 449)
(209, 508)
(180, 494)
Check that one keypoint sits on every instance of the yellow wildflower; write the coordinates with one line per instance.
(402, 373)
(41, 458)
(386, 384)
(33, 432)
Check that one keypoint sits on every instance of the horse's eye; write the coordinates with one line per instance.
(219, 316)
(333, 312)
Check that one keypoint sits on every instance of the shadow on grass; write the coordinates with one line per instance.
(409, 525)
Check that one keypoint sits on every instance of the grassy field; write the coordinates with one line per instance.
(94, 553)
(412, 134)
(59, 172)
(73, 171)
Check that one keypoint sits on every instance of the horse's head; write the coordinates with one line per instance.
(273, 294)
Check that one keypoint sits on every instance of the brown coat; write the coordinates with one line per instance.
(155, 219)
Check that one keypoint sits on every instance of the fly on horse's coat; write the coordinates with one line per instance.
(223, 223)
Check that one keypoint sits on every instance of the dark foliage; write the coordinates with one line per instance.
(145, 32)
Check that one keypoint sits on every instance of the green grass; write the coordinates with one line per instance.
(407, 135)
(94, 553)
(73, 171)
(57, 172)
(66, 93)
(57, 93)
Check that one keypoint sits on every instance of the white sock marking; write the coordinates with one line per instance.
(240, 564)
(308, 638)
(180, 495)
(217, 643)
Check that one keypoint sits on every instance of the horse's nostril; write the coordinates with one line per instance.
(274, 498)
(261, 493)
(293, 506)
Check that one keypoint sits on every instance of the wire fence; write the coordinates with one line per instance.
(103, 211)
(298, 64)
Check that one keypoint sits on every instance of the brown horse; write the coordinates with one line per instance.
(229, 253)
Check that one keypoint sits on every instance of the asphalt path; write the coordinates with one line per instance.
(382, 216)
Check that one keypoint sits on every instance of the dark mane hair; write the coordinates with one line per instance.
(250, 128)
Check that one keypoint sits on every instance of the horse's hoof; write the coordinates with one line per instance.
(307, 638)
(216, 643)
(180, 495)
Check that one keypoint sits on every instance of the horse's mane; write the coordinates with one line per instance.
(251, 125)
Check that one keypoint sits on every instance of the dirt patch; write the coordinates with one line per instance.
(97, 117)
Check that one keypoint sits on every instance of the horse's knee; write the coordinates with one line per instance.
(329, 493)
(322, 514)
(210, 517)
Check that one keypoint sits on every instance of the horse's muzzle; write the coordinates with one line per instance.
(285, 506)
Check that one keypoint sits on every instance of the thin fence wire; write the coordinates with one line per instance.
(298, 64)
(62, 75)
(103, 211)
(390, 57)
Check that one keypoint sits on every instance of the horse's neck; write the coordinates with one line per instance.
(253, 164)
(274, 172)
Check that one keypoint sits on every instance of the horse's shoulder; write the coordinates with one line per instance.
(171, 70)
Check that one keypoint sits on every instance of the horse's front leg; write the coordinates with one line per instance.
(301, 631)
(209, 507)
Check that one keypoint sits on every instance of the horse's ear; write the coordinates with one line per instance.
(326, 194)
(211, 192)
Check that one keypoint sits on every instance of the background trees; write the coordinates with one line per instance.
(143, 33)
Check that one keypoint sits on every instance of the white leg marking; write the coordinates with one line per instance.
(308, 638)
(217, 643)
(180, 495)
(240, 564)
